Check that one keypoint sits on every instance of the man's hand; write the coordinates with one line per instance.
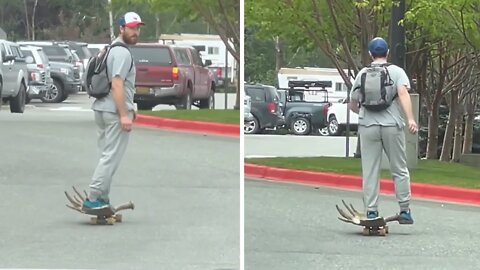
(412, 126)
(126, 123)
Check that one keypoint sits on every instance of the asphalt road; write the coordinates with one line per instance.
(185, 188)
(290, 226)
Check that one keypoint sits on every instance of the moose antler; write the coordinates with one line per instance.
(353, 216)
(76, 200)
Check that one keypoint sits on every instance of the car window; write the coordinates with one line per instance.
(43, 56)
(257, 94)
(182, 56)
(151, 56)
(27, 53)
(17, 52)
(274, 94)
(54, 51)
(3, 51)
(196, 58)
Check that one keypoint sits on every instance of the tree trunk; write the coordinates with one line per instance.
(470, 115)
(279, 54)
(33, 19)
(27, 24)
(158, 31)
(237, 85)
(457, 142)
(448, 138)
(432, 142)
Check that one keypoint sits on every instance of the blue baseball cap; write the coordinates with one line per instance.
(378, 46)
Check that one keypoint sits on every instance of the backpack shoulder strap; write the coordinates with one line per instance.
(126, 47)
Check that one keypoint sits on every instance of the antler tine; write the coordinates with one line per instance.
(86, 194)
(78, 193)
(355, 210)
(342, 213)
(392, 218)
(125, 206)
(77, 200)
(348, 208)
(72, 201)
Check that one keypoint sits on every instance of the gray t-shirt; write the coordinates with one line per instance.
(393, 115)
(119, 62)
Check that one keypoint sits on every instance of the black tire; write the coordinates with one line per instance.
(300, 126)
(142, 105)
(251, 127)
(208, 103)
(17, 103)
(186, 101)
(333, 127)
(55, 94)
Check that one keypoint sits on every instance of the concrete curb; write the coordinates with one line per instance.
(187, 125)
(426, 191)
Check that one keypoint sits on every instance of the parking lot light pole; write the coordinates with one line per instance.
(225, 83)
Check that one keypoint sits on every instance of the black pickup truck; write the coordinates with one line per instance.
(303, 117)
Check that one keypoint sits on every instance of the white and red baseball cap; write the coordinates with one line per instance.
(130, 19)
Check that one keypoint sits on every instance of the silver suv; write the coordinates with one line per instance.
(14, 76)
(40, 81)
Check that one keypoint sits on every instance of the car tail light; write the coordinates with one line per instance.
(175, 73)
(325, 110)
(271, 107)
(39, 65)
(219, 72)
(33, 76)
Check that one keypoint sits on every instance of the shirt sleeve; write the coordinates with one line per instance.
(119, 62)
(402, 78)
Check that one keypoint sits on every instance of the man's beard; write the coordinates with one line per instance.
(131, 40)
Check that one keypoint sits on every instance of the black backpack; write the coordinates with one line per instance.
(97, 83)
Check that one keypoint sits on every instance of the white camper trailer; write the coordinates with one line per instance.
(337, 90)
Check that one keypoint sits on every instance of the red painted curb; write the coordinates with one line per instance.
(187, 125)
(427, 191)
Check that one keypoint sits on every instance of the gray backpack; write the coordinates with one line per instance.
(376, 88)
(97, 82)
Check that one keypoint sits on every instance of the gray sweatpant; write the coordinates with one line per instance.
(391, 139)
(112, 142)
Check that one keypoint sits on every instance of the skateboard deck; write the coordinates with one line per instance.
(104, 216)
(377, 226)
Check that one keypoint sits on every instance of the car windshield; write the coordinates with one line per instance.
(152, 56)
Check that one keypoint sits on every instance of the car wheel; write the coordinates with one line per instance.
(333, 127)
(17, 104)
(300, 126)
(251, 127)
(208, 103)
(323, 131)
(145, 105)
(54, 94)
(186, 102)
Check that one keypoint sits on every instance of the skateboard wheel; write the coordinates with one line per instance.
(366, 231)
(118, 218)
(93, 220)
(110, 221)
(382, 232)
(386, 229)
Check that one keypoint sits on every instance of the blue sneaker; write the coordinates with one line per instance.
(372, 214)
(94, 205)
(405, 217)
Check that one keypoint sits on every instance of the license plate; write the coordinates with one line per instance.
(143, 90)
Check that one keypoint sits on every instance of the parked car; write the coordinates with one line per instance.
(301, 116)
(39, 73)
(247, 108)
(266, 108)
(14, 79)
(65, 75)
(173, 75)
(337, 119)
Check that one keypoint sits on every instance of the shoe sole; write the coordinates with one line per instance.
(408, 222)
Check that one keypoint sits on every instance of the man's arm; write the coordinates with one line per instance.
(406, 103)
(118, 95)
(353, 106)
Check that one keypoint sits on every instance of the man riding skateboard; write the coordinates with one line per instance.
(114, 113)
(379, 94)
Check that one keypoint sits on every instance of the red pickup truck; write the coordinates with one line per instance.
(173, 75)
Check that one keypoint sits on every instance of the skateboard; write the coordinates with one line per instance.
(104, 216)
(377, 226)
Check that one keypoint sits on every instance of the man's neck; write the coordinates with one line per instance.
(380, 60)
